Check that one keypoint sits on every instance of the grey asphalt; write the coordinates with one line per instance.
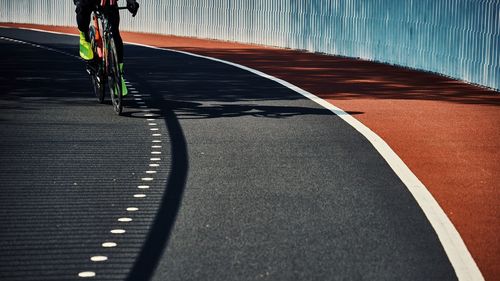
(256, 182)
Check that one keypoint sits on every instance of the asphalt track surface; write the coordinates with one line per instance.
(255, 181)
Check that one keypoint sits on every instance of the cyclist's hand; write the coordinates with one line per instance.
(132, 7)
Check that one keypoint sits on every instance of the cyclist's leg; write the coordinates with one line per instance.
(83, 11)
(115, 23)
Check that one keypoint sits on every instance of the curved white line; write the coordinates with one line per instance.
(458, 254)
(465, 267)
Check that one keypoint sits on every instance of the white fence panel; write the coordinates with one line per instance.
(457, 38)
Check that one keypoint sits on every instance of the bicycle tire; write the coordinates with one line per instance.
(96, 75)
(114, 77)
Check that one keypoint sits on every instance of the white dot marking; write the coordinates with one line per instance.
(86, 274)
(99, 258)
(109, 244)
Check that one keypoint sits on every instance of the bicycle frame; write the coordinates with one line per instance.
(100, 22)
(107, 66)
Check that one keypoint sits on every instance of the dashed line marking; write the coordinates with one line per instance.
(156, 145)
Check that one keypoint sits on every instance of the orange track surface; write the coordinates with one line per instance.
(446, 131)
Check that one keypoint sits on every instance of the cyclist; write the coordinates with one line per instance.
(83, 10)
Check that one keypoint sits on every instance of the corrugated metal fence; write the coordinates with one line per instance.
(458, 38)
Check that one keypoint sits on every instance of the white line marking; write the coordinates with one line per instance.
(154, 165)
(460, 257)
(155, 159)
(156, 135)
(156, 141)
(132, 209)
(147, 179)
(156, 146)
(99, 258)
(156, 152)
(118, 231)
(150, 172)
(139, 195)
(109, 244)
(143, 186)
(124, 219)
(86, 274)
(152, 124)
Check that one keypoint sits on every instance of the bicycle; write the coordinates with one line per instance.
(104, 68)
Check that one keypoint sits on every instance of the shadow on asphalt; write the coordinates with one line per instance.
(163, 223)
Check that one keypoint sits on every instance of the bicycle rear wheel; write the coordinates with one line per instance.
(114, 78)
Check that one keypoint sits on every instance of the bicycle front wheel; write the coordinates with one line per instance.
(114, 78)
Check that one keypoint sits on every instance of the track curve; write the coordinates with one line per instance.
(276, 186)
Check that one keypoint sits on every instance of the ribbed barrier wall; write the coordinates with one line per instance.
(457, 38)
